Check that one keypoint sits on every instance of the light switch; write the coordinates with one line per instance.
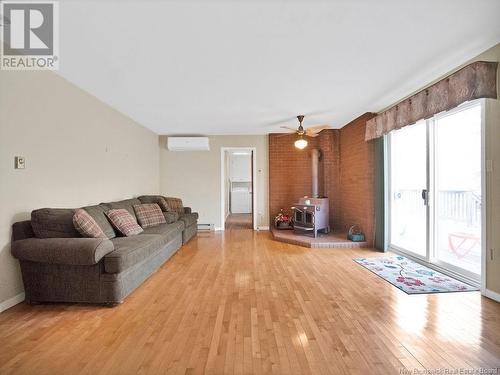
(19, 162)
(489, 166)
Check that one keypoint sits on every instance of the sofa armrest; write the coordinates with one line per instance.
(187, 210)
(22, 230)
(71, 251)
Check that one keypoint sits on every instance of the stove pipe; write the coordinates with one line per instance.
(315, 155)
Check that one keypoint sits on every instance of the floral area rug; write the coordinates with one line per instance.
(412, 277)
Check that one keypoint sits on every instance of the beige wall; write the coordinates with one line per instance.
(78, 151)
(492, 117)
(196, 176)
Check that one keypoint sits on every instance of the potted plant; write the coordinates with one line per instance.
(283, 220)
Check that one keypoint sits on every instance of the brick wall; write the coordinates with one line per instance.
(346, 174)
(289, 171)
(357, 178)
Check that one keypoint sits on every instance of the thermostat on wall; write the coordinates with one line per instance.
(19, 162)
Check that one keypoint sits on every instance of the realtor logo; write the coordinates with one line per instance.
(29, 34)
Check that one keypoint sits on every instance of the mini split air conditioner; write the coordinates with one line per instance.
(188, 144)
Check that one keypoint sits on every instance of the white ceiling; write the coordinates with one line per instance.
(243, 67)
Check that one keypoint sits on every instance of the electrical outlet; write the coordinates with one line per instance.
(19, 162)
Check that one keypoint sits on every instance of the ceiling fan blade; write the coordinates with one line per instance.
(316, 130)
(319, 127)
(289, 128)
(312, 135)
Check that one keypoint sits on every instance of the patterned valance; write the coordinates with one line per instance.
(474, 81)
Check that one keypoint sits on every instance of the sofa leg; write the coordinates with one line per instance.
(112, 304)
(31, 302)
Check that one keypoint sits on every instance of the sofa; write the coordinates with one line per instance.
(58, 264)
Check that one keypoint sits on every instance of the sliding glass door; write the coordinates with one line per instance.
(408, 181)
(457, 241)
(435, 187)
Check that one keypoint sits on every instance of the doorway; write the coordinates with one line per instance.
(436, 182)
(238, 188)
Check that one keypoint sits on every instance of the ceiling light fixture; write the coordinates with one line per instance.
(300, 143)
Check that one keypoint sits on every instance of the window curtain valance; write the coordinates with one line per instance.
(474, 81)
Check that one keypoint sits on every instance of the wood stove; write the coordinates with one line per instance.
(312, 214)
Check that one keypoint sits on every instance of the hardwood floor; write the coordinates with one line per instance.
(239, 221)
(239, 303)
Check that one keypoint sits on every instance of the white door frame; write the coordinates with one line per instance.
(223, 183)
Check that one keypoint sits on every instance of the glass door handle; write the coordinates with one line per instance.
(425, 196)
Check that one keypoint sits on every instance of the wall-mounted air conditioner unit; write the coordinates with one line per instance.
(188, 144)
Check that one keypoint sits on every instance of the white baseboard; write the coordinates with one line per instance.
(491, 294)
(218, 229)
(11, 302)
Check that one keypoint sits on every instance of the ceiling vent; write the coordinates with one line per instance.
(188, 144)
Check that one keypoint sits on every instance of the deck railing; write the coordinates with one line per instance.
(457, 205)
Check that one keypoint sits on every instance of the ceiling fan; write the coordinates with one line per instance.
(312, 131)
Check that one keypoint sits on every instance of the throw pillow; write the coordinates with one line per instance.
(149, 215)
(164, 205)
(86, 225)
(175, 204)
(124, 222)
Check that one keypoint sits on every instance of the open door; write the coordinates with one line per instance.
(239, 189)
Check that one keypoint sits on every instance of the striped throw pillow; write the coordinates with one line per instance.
(149, 215)
(175, 204)
(124, 222)
(86, 225)
(164, 205)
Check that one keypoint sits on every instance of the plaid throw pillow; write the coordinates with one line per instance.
(86, 225)
(175, 204)
(124, 222)
(164, 205)
(149, 215)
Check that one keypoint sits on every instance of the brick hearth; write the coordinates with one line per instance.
(323, 241)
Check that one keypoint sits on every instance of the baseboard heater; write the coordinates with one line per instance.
(206, 227)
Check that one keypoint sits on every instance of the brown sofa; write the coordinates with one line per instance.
(59, 265)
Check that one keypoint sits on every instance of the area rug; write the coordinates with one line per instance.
(412, 277)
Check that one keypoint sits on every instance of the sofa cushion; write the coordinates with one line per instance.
(124, 222)
(127, 204)
(189, 219)
(53, 223)
(171, 216)
(131, 250)
(158, 199)
(86, 225)
(175, 204)
(149, 215)
(167, 231)
(98, 214)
